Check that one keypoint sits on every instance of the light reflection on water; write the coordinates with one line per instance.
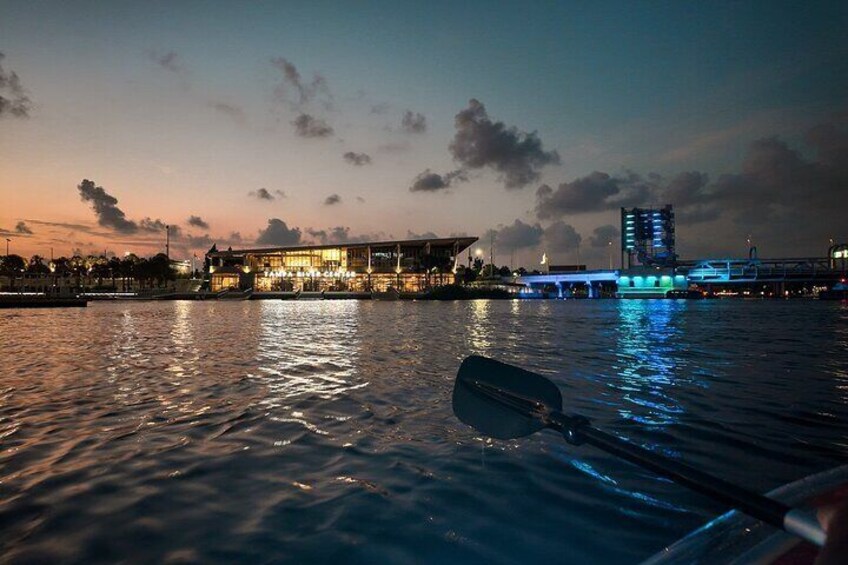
(322, 431)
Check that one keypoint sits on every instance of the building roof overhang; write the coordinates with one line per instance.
(461, 242)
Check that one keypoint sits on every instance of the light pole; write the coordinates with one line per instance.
(7, 246)
(609, 245)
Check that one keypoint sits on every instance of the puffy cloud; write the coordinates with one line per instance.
(13, 99)
(278, 233)
(358, 159)
(413, 122)
(265, 194)
(480, 142)
(561, 236)
(22, 229)
(105, 206)
(198, 222)
(593, 193)
(297, 92)
(426, 235)
(157, 225)
(340, 234)
(601, 236)
(515, 236)
(429, 181)
(332, 199)
(310, 126)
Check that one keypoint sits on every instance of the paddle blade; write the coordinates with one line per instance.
(497, 399)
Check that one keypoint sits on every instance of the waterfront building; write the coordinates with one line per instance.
(383, 266)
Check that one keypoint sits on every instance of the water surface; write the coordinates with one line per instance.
(322, 431)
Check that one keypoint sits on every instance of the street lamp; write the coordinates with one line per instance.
(609, 245)
(7, 246)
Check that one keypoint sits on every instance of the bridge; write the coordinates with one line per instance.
(564, 282)
(747, 271)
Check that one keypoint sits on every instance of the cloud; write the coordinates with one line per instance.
(230, 110)
(298, 93)
(169, 61)
(479, 142)
(157, 225)
(265, 194)
(515, 236)
(198, 222)
(341, 234)
(593, 193)
(428, 181)
(332, 199)
(310, 126)
(13, 99)
(358, 159)
(603, 235)
(426, 235)
(105, 206)
(413, 122)
(22, 229)
(561, 236)
(360, 200)
(278, 233)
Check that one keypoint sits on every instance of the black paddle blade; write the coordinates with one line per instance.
(502, 401)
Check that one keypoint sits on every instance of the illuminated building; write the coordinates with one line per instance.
(647, 234)
(405, 266)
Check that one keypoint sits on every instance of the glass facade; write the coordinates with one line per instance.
(404, 266)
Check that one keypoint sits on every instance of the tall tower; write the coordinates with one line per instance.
(647, 235)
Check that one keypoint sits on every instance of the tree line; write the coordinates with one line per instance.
(83, 271)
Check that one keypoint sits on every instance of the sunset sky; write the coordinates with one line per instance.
(308, 122)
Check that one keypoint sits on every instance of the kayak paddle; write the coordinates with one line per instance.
(506, 402)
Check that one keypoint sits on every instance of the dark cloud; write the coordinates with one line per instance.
(265, 194)
(13, 99)
(105, 206)
(22, 229)
(332, 199)
(153, 226)
(360, 200)
(479, 142)
(169, 61)
(358, 159)
(278, 233)
(561, 236)
(197, 241)
(340, 234)
(516, 236)
(592, 193)
(298, 93)
(413, 122)
(426, 235)
(198, 222)
(310, 126)
(429, 181)
(232, 111)
(603, 235)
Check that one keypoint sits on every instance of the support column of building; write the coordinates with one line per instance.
(397, 269)
(559, 289)
(590, 290)
(368, 270)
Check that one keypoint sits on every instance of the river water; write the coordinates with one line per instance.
(306, 432)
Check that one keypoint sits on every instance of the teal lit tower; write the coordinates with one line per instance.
(647, 235)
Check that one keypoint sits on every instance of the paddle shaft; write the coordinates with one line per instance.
(577, 430)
